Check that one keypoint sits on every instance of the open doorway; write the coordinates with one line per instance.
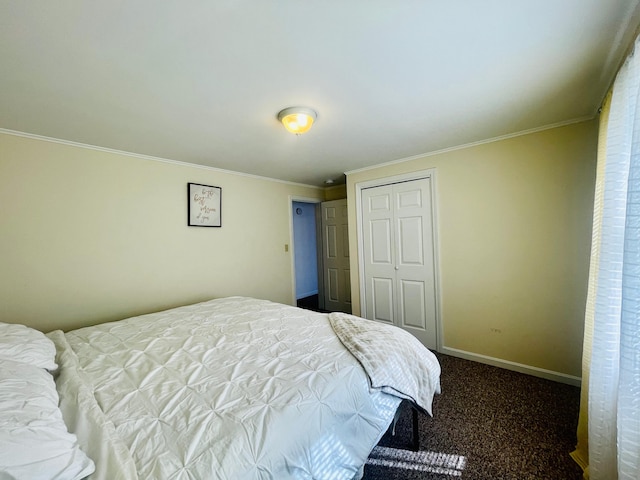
(304, 215)
(320, 250)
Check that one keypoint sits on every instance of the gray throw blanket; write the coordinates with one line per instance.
(394, 360)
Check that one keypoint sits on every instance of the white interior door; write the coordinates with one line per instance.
(379, 253)
(335, 256)
(398, 257)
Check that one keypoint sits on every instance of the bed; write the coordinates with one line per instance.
(236, 388)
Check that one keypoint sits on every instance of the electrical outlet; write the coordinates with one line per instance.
(286, 247)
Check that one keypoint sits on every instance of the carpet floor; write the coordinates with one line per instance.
(488, 424)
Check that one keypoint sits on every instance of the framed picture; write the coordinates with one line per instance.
(204, 205)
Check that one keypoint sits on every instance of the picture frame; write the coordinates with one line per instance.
(204, 205)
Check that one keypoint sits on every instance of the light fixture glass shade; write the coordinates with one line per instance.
(297, 120)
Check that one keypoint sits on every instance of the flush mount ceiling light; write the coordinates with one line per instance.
(297, 120)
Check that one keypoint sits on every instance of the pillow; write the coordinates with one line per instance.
(19, 343)
(34, 441)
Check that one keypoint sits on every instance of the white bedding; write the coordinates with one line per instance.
(34, 441)
(233, 388)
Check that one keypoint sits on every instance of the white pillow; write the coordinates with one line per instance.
(19, 343)
(34, 441)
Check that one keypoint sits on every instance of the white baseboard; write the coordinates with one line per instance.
(517, 367)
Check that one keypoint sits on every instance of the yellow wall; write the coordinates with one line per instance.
(336, 192)
(91, 236)
(514, 236)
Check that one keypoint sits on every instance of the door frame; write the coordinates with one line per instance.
(379, 182)
(292, 253)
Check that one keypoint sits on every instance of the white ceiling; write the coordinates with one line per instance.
(201, 81)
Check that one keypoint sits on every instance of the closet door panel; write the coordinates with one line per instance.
(398, 257)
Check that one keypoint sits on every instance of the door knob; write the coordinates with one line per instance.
(397, 267)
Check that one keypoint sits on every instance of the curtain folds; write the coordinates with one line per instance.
(609, 428)
(581, 454)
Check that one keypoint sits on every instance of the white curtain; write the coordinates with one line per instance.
(614, 368)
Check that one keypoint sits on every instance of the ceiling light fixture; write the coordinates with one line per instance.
(297, 120)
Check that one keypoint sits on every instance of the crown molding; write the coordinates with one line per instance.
(473, 144)
(149, 157)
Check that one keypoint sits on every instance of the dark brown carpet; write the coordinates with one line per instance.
(488, 424)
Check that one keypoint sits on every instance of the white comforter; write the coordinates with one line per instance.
(232, 388)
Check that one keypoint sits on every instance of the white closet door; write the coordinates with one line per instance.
(415, 281)
(335, 256)
(379, 253)
(399, 257)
